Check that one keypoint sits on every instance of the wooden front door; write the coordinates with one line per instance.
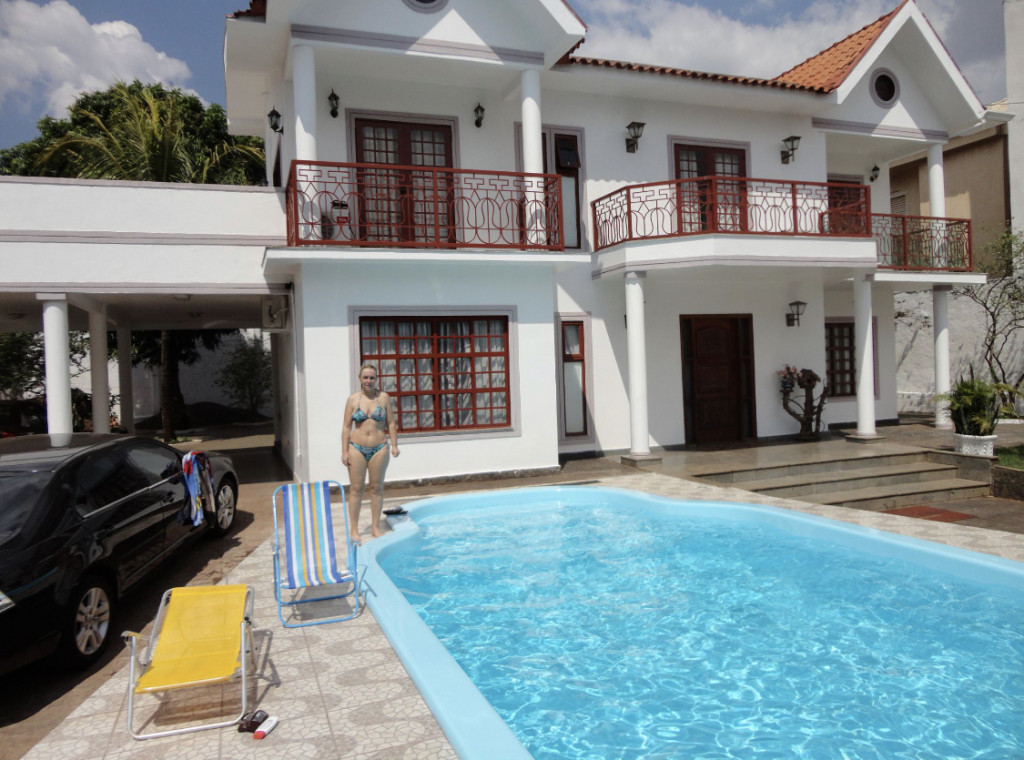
(718, 392)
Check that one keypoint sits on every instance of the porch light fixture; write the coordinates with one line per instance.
(478, 112)
(274, 119)
(332, 101)
(796, 310)
(874, 173)
(636, 131)
(789, 154)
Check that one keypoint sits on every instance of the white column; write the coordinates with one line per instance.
(940, 334)
(864, 346)
(304, 91)
(936, 181)
(533, 155)
(636, 353)
(98, 371)
(56, 353)
(533, 145)
(124, 378)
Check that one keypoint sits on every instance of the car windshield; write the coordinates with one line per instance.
(20, 492)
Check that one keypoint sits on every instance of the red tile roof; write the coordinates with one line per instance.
(827, 70)
(256, 8)
(574, 60)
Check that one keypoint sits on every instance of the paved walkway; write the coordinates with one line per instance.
(340, 690)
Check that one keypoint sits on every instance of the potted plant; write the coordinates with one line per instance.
(974, 406)
(788, 377)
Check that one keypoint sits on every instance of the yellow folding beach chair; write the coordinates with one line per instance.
(202, 636)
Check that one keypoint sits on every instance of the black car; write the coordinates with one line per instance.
(83, 517)
(21, 417)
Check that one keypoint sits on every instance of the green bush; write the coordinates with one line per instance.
(246, 377)
(975, 405)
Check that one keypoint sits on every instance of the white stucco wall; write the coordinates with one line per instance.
(333, 292)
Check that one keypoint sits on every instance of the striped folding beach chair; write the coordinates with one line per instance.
(304, 553)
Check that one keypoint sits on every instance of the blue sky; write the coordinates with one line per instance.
(52, 49)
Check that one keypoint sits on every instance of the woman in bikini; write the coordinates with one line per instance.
(369, 422)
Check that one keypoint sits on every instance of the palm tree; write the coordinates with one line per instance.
(149, 134)
(145, 138)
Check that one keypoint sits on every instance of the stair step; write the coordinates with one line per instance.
(864, 477)
(887, 497)
(737, 476)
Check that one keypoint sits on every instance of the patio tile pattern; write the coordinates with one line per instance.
(340, 690)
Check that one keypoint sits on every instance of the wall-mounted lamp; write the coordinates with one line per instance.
(792, 143)
(478, 112)
(636, 131)
(332, 101)
(874, 173)
(274, 119)
(796, 310)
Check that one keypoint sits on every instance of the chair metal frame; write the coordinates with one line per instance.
(148, 655)
(347, 576)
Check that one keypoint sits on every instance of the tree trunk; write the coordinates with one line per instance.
(168, 385)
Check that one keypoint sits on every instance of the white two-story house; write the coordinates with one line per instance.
(544, 253)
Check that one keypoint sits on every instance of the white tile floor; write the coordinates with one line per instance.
(339, 689)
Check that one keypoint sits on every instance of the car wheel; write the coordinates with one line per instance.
(88, 622)
(225, 500)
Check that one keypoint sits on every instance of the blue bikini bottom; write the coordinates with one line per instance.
(368, 451)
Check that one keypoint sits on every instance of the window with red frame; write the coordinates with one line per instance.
(574, 384)
(445, 373)
(840, 362)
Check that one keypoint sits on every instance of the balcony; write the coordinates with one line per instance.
(731, 205)
(385, 206)
(922, 243)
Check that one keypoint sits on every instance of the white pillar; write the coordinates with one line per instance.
(533, 143)
(56, 352)
(304, 91)
(636, 353)
(533, 155)
(940, 334)
(98, 371)
(864, 346)
(936, 181)
(124, 378)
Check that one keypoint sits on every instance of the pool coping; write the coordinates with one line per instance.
(471, 723)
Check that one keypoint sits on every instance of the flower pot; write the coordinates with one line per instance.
(976, 445)
(787, 386)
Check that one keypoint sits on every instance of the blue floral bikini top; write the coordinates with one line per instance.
(379, 415)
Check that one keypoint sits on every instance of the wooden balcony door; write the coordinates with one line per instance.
(707, 206)
(405, 206)
(718, 388)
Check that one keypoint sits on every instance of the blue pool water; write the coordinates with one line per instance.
(600, 625)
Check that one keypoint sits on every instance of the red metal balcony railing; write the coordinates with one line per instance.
(380, 205)
(731, 205)
(923, 243)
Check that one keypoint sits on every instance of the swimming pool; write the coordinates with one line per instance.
(600, 623)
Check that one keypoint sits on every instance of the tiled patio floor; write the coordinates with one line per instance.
(341, 692)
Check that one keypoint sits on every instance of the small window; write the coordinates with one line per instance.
(426, 6)
(885, 89)
(574, 386)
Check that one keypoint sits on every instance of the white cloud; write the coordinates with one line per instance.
(51, 53)
(686, 34)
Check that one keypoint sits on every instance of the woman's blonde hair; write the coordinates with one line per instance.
(367, 365)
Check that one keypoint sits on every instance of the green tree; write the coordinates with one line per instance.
(139, 132)
(1001, 301)
(144, 133)
(246, 377)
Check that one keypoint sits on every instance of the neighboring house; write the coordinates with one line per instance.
(544, 253)
(977, 182)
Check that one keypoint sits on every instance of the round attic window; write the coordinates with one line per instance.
(885, 89)
(426, 6)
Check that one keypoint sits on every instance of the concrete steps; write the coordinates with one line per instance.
(865, 482)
